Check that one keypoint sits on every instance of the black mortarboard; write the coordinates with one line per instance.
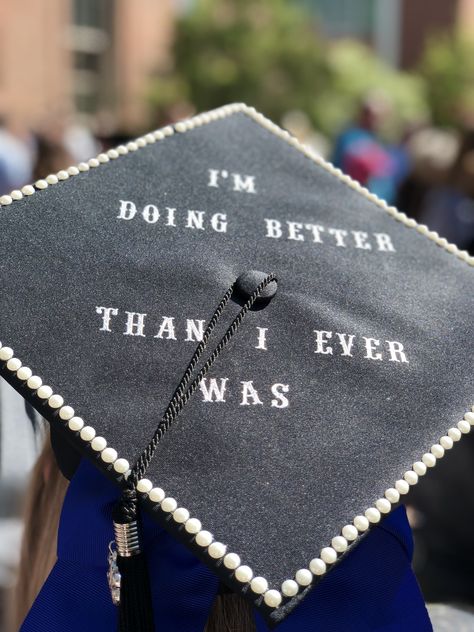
(331, 394)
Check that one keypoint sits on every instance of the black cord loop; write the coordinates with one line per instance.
(187, 385)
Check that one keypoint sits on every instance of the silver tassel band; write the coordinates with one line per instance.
(127, 539)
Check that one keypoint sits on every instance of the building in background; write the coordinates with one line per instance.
(85, 57)
(397, 29)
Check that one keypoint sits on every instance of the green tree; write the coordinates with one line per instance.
(270, 55)
(448, 69)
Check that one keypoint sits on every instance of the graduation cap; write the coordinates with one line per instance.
(262, 352)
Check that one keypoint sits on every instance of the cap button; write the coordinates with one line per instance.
(248, 282)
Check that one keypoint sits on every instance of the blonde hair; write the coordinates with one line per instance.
(42, 508)
(43, 503)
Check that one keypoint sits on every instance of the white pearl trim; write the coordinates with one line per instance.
(203, 538)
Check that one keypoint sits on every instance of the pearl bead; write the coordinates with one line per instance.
(446, 442)
(98, 444)
(141, 142)
(131, 146)
(28, 189)
(411, 477)
(437, 450)
(149, 138)
(34, 382)
(62, 175)
(6, 353)
(121, 466)
(55, 401)
(420, 468)
(464, 426)
(454, 434)
(113, 154)
(180, 127)
(259, 585)
(272, 598)
(180, 515)
(103, 158)
(470, 418)
(83, 166)
(158, 135)
(217, 550)
(156, 495)
(231, 561)
(44, 392)
(392, 495)
(87, 433)
(339, 544)
(52, 178)
(122, 150)
(14, 364)
(429, 459)
(289, 588)
(243, 574)
(350, 532)
(76, 423)
(383, 505)
(193, 526)
(317, 566)
(41, 184)
(5, 200)
(66, 413)
(144, 486)
(203, 538)
(24, 373)
(373, 515)
(402, 487)
(304, 577)
(328, 555)
(361, 523)
(169, 505)
(168, 130)
(93, 162)
(109, 455)
(16, 194)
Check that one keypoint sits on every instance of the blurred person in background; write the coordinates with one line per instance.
(448, 208)
(16, 156)
(361, 154)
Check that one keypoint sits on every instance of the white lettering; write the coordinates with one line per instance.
(397, 353)
(195, 220)
(107, 313)
(249, 392)
(339, 234)
(262, 338)
(360, 239)
(194, 329)
(151, 214)
(371, 345)
(293, 231)
(244, 183)
(135, 324)
(346, 343)
(128, 210)
(166, 329)
(280, 400)
(321, 342)
(219, 222)
(273, 228)
(384, 242)
(213, 392)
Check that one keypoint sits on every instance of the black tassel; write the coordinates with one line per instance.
(135, 605)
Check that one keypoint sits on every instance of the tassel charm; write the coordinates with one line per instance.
(113, 575)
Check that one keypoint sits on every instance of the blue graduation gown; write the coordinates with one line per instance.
(374, 588)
